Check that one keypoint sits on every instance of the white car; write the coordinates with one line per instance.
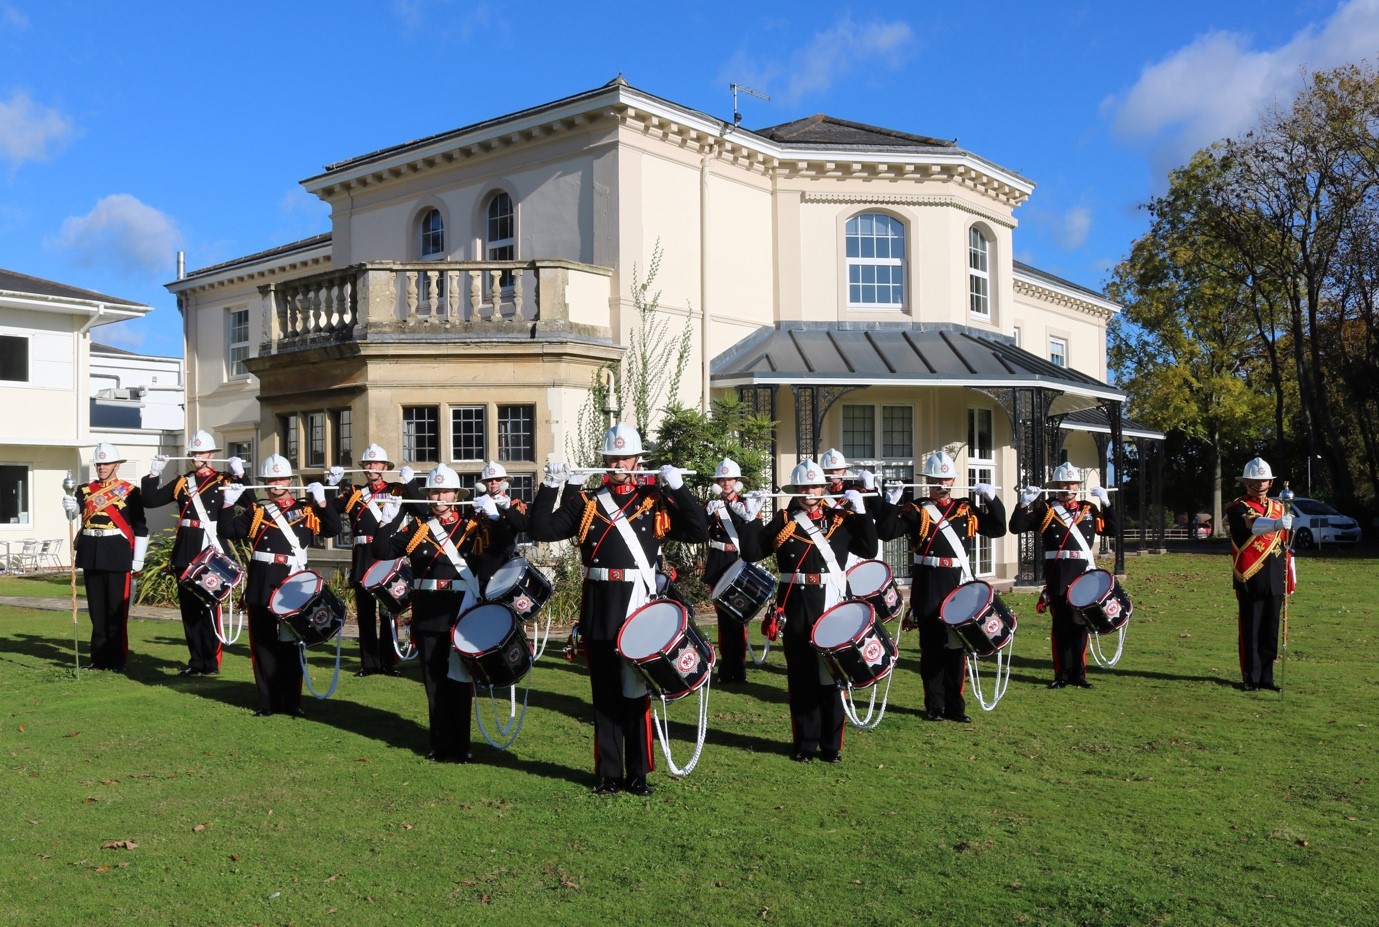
(1316, 523)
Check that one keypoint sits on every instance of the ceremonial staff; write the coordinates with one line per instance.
(69, 486)
(1286, 497)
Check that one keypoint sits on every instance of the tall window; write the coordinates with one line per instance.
(468, 440)
(421, 434)
(238, 342)
(891, 429)
(1058, 352)
(978, 274)
(432, 233)
(14, 358)
(316, 439)
(500, 235)
(981, 468)
(344, 437)
(876, 262)
(287, 428)
(14, 492)
(244, 450)
(859, 432)
(517, 432)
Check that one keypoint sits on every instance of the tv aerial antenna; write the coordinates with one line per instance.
(737, 117)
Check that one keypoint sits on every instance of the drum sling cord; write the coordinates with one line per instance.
(210, 538)
(513, 726)
(540, 638)
(701, 732)
(1093, 637)
(299, 563)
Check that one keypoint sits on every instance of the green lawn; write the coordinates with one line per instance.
(44, 585)
(1163, 796)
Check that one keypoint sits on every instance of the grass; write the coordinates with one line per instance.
(1164, 796)
(41, 585)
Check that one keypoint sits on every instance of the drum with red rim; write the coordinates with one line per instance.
(976, 614)
(308, 607)
(742, 590)
(1097, 597)
(492, 645)
(854, 644)
(666, 648)
(520, 586)
(390, 582)
(872, 582)
(211, 575)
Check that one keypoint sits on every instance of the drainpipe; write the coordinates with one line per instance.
(705, 317)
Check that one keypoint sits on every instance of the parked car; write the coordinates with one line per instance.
(1316, 523)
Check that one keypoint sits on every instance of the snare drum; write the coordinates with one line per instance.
(520, 586)
(492, 645)
(742, 590)
(1097, 597)
(854, 644)
(664, 646)
(212, 576)
(872, 582)
(976, 614)
(390, 582)
(309, 608)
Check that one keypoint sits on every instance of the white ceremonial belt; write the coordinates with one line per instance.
(1065, 555)
(102, 532)
(723, 545)
(922, 560)
(363, 539)
(599, 574)
(438, 585)
(279, 559)
(808, 579)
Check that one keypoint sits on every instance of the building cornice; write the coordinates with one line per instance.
(272, 266)
(948, 202)
(1077, 301)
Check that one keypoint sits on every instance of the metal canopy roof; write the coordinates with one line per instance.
(880, 354)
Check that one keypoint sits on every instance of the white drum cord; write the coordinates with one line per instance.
(765, 647)
(1098, 656)
(700, 734)
(335, 679)
(407, 651)
(510, 728)
(539, 639)
(219, 624)
(849, 709)
(1003, 661)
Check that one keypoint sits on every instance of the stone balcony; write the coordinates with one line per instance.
(388, 301)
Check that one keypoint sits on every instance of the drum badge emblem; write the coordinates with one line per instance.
(398, 589)
(1111, 607)
(522, 604)
(210, 582)
(320, 618)
(515, 655)
(688, 661)
(872, 651)
(992, 626)
(891, 597)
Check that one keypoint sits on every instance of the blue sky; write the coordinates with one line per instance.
(131, 130)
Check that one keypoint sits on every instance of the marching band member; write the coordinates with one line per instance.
(1261, 575)
(110, 549)
(453, 553)
(362, 513)
(619, 527)
(493, 482)
(279, 530)
(725, 515)
(199, 497)
(940, 530)
(811, 541)
(835, 467)
(1069, 529)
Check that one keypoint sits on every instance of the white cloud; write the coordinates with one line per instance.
(30, 132)
(1217, 86)
(125, 335)
(11, 17)
(1073, 227)
(826, 59)
(445, 18)
(124, 233)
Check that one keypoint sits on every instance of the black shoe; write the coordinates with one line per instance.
(462, 757)
(1270, 686)
(92, 666)
(187, 671)
(1248, 687)
(1058, 684)
(1081, 683)
(831, 757)
(297, 713)
(608, 786)
(116, 669)
(263, 714)
(438, 756)
(933, 715)
(636, 785)
(801, 757)
(961, 719)
(390, 671)
(361, 673)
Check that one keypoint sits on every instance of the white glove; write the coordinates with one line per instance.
(1101, 496)
(231, 493)
(1028, 495)
(485, 504)
(156, 465)
(1264, 525)
(503, 501)
(237, 467)
(985, 490)
(140, 550)
(1286, 522)
(69, 505)
(715, 506)
(406, 474)
(752, 503)
(556, 474)
(334, 475)
(672, 477)
(854, 499)
(868, 480)
(389, 511)
(317, 492)
(893, 492)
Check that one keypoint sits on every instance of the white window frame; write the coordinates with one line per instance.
(236, 352)
(481, 419)
(978, 274)
(434, 238)
(1058, 348)
(862, 262)
(28, 357)
(25, 517)
(409, 438)
(981, 469)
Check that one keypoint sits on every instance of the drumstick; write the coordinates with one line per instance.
(631, 472)
(288, 488)
(209, 459)
(927, 485)
(1080, 492)
(400, 501)
(798, 495)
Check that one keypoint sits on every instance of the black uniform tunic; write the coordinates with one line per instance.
(723, 553)
(1260, 578)
(112, 517)
(376, 653)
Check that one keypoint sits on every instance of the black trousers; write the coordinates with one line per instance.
(277, 665)
(732, 648)
(942, 669)
(622, 725)
(375, 633)
(1259, 624)
(816, 709)
(198, 626)
(107, 600)
(449, 702)
(1069, 642)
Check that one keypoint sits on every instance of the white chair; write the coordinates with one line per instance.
(27, 558)
(52, 553)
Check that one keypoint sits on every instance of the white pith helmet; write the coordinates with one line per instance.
(275, 467)
(806, 473)
(445, 478)
(106, 453)
(727, 469)
(622, 440)
(833, 459)
(375, 454)
(202, 443)
(940, 466)
(1257, 469)
(493, 471)
(1067, 473)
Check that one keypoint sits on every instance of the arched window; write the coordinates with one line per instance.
(876, 262)
(978, 273)
(432, 233)
(500, 236)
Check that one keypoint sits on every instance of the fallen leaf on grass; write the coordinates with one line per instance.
(21, 728)
(234, 857)
(198, 828)
(110, 782)
(120, 845)
(334, 877)
(73, 733)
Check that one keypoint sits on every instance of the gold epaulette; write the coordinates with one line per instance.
(590, 510)
(1048, 518)
(180, 486)
(786, 534)
(313, 521)
(257, 523)
(417, 538)
(481, 543)
(352, 501)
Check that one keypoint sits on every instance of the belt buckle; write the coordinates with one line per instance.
(811, 579)
(280, 559)
(729, 547)
(615, 575)
(442, 584)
